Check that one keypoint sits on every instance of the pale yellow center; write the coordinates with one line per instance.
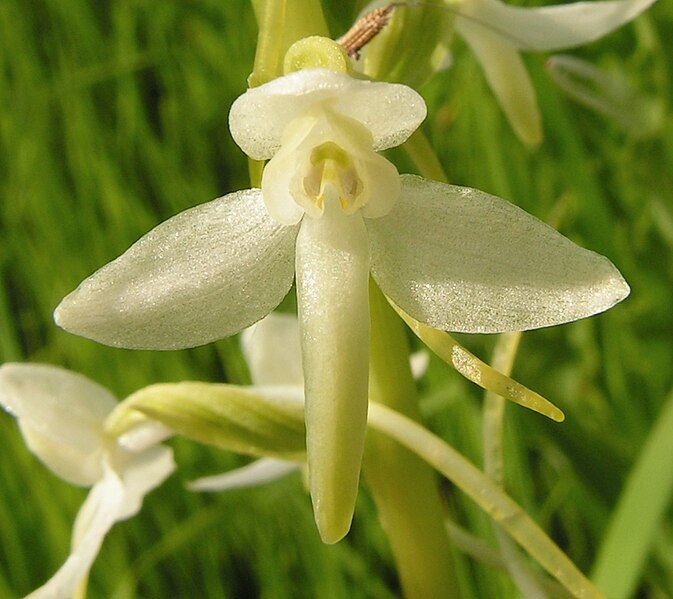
(332, 175)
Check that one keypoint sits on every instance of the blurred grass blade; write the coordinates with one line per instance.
(608, 93)
(642, 505)
(494, 466)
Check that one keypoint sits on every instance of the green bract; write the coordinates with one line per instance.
(228, 417)
(330, 213)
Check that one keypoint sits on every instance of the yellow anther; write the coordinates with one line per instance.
(332, 174)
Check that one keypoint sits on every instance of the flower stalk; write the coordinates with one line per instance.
(403, 486)
(412, 46)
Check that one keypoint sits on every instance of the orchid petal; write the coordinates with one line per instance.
(142, 473)
(280, 178)
(333, 306)
(95, 519)
(143, 436)
(507, 76)
(462, 260)
(61, 415)
(259, 472)
(72, 464)
(202, 275)
(383, 184)
(272, 351)
(392, 112)
(551, 27)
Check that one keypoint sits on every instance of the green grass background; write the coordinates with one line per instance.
(113, 116)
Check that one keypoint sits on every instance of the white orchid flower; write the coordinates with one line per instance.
(496, 33)
(330, 212)
(61, 416)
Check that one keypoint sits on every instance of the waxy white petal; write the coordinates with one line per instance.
(550, 27)
(391, 112)
(281, 180)
(382, 184)
(333, 306)
(71, 463)
(462, 260)
(272, 350)
(61, 416)
(507, 76)
(143, 436)
(95, 519)
(142, 473)
(259, 472)
(202, 275)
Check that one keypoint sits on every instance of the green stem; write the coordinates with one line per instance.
(255, 170)
(269, 54)
(412, 46)
(403, 486)
(494, 408)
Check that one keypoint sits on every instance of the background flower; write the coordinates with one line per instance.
(62, 415)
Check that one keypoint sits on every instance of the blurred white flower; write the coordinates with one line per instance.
(497, 32)
(331, 211)
(61, 415)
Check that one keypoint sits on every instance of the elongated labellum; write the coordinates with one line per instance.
(333, 305)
